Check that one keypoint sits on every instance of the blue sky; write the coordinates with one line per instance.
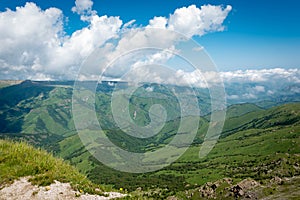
(258, 34)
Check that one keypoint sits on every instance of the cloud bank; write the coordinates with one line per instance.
(243, 86)
(263, 75)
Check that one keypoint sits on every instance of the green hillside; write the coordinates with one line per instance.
(18, 159)
(6, 83)
(40, 112)
(241, 109)
(269, 148)
(276, 116)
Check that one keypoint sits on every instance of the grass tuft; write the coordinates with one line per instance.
(19, 159)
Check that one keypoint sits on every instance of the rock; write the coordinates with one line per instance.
(97, 190)
(172, 198)
(242, 187)
(77, 194)
(277, 180)
(208, 184)
(247, 184)
(206, 191)
(228, 180)
(47, 188)
(214, 186)
(236, 190)
(241, 193)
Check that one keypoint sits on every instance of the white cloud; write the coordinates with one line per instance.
(193, 78)
(263, 75)
(253, 84)
(295, 89)
(270, 92)
(110, 83)
(27, 36)
(129, 24)
(192, 20)
(249, 96)
(84, 9)
(34, 45)
(82, 6)
(259, 88)
(84, 41)
(189, 21)
(158, 22)
(149, 89)
(198, 21)
(277, 78)
(234, 96)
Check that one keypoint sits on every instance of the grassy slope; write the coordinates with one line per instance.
(18, 159)
(283, 115)
(241, 109)
(53, 113)
(40, 114)
(244, 154)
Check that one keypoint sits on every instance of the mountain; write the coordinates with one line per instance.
(260, 139)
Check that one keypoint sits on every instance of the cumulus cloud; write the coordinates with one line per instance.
(192, 20)
(27, 36)
(198, 21)
(82, 6)
(158, 22)
(140, 37)
(84, 9)
(34, 44)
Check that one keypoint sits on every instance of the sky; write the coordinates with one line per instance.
(48, 39)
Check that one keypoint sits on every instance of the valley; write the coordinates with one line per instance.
(259, 142)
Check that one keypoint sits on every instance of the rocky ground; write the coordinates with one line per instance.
(275, 188)
(22, 189)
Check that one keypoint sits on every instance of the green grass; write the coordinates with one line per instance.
(72, 150)
(259, 154)
(241, 109)
(18, 159)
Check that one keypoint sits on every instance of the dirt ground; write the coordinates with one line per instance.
(23, 190)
